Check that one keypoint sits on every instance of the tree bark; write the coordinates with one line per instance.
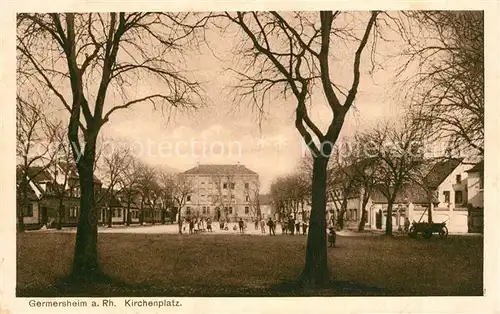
(85, 263)
(363, 213)
(110, 217)
(315, 271)
(60, 214)
(179, 220)
(388, 218)
(24, 203)
(129, 219)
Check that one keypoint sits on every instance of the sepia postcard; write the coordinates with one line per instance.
(257, 157)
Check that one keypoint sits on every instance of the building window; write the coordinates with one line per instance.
(73, 211)
(247, 210)
(458, 197)
(446, 196)
(202, 182)
(247, 198)
(230, 210)
(208, 210)
(247, 185)
(224, 185)
(188, 198)
(188, 210)
(232, 186)
(232, 197)
(28, 211)
(204, 210)
(459, 178)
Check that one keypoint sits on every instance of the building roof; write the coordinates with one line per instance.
(479, 167)
(409, 192)
(440, 171)
(73, 171)
(37, 174)
(211, 169)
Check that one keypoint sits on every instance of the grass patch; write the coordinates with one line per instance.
(232, 265)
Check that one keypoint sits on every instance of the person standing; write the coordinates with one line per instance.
(297, 227)
(241, 224)
(291, 225)
(304, 227)
(191, 226)
(209, 225)
(270, 224)
(263, 225)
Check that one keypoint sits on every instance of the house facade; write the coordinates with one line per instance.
(221, 192)
(450, 188)
(47, 193)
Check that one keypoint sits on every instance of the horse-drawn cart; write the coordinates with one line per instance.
(427, 229)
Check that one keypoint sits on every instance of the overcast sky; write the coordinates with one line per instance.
(223, 132)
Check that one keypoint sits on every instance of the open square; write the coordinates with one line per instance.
(243, 265)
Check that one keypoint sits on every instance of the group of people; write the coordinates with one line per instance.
(293, 226)
(288, 226)
(197, 225)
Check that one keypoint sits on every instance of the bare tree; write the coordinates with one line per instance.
(166, 183)
(182, 189)
(114, 167)
(400, 155)
(253, 192)
(448, 89)
(148, 189)
(61, 170)
(364, 169)
(222, 199)
(291, 53)
(98, 56)
(35, 139)
(128, 183)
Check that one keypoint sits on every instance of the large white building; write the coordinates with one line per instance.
(221, 192)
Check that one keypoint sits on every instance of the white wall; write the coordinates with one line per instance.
(475, 196)
(36, 215)
(450, 184)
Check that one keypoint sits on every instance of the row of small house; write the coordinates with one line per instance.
(457, 198)
(49, 200)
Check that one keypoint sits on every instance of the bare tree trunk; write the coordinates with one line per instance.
(153, 212)
(429, 213)
(129, 219)
(60, 214)
(110, 217)
(85, 263)
(179, 220)
(364, 213)
(24, 204)
(388, 218)
(315, 271)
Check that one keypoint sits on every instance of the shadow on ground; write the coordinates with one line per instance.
(114, 288)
